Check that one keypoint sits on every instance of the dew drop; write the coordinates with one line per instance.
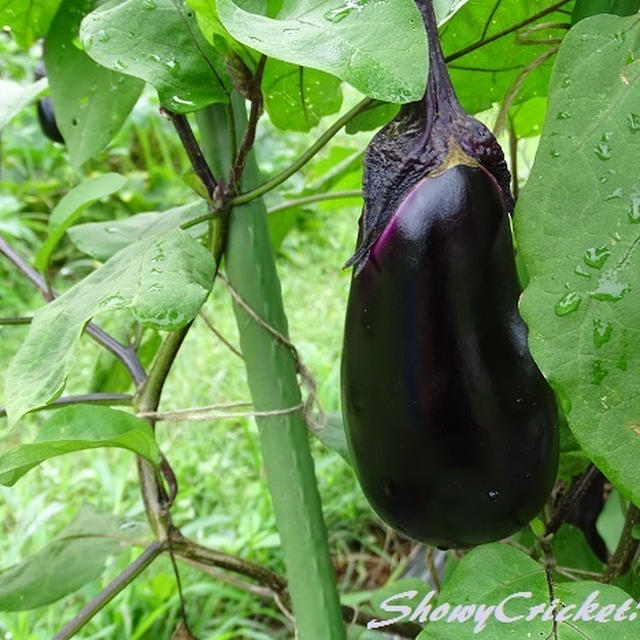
(634, 209)
(601, 332)
(563, 115)
(602, 179)
(103, 36)
(566, 82)
(616, 194)
(337, 15)
(596, 256)
(581, 271)
(604, 151)
(149, 5)
(120, 65)
(610, 289)
(633, 122)
(554, 153)
(111, 229)
(598, 372)
(568, 303)
(493, 495)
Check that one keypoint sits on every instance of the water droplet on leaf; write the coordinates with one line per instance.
(596, 256)
(568, 303)
(601, 332)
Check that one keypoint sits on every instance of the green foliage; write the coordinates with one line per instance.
(14, 97)
(110, 94)
(163, 280)
(75, 428)
(70, 208)
(377, 47)
(587, 8)
(76, 556)
(583, 193)
(161, 44)
(28, 20)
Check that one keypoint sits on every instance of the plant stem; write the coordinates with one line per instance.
(194, 153)
(15, 320)
(571, 499)
(125, 354)
(111, 591)
(316, 197)
(272, 378)
(88, 398)
(627, 549)
(267, 186)
(496, 36)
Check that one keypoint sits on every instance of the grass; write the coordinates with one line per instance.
(223, 500)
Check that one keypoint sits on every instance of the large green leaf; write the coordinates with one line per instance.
(14, 97)
(76, 428)
(72, 559)
(27, 20)
(297, 97)
(70, 208)
(378, 47)
(576, 223)
(160, 42)
(587, 8)
(91, 102)
(485, 75)
(493, 589)
(163, 280)
(101, 240)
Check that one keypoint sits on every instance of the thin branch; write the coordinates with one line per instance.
(627, 549)
(111, 591)
(305, 157)
(15, 320)
(317, 197)
(194, 153)
(250, 132)
(205, 414)
(571, 499)
(125, 354)
(108, 399)
(202, 557)
(496, 36)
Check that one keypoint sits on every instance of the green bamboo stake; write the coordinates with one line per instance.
(271, 373)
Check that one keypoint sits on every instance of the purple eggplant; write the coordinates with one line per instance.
(46, 113)
(451, 426)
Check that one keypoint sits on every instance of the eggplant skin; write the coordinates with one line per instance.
(47, 119)
(451, 426)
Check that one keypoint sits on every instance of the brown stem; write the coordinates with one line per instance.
(125, 354)
(194, 153)
(571, 499)
(250, 132)
(88, 398)
(627, 549)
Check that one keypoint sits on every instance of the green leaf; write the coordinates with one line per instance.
(28, 20)
(333, 436)
(14, 97)
(76, 428)
(297, 97)
(495, 586)
(528, 117)
(91, 102)
(611, 520)
(485, 75)
(70, 208)
(72, 559)
(372, 118)
(377, 47)
(101, 240)
(571, 550)
(586, 8)
(576, 224)
(163, 280)
(160, 42)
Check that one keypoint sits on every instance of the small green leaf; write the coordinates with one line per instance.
(101, 240)
(297, 97)
(76, 428)
(158, 41)
(333, 436)
(163, 280)
(576, 224)
(91, 102)
(14, 97)
(379, 48)
(27, 20)
(70, 208)
(587, 8)
(72, 559)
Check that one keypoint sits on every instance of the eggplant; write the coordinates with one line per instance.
(451, 426)
(46, 113)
